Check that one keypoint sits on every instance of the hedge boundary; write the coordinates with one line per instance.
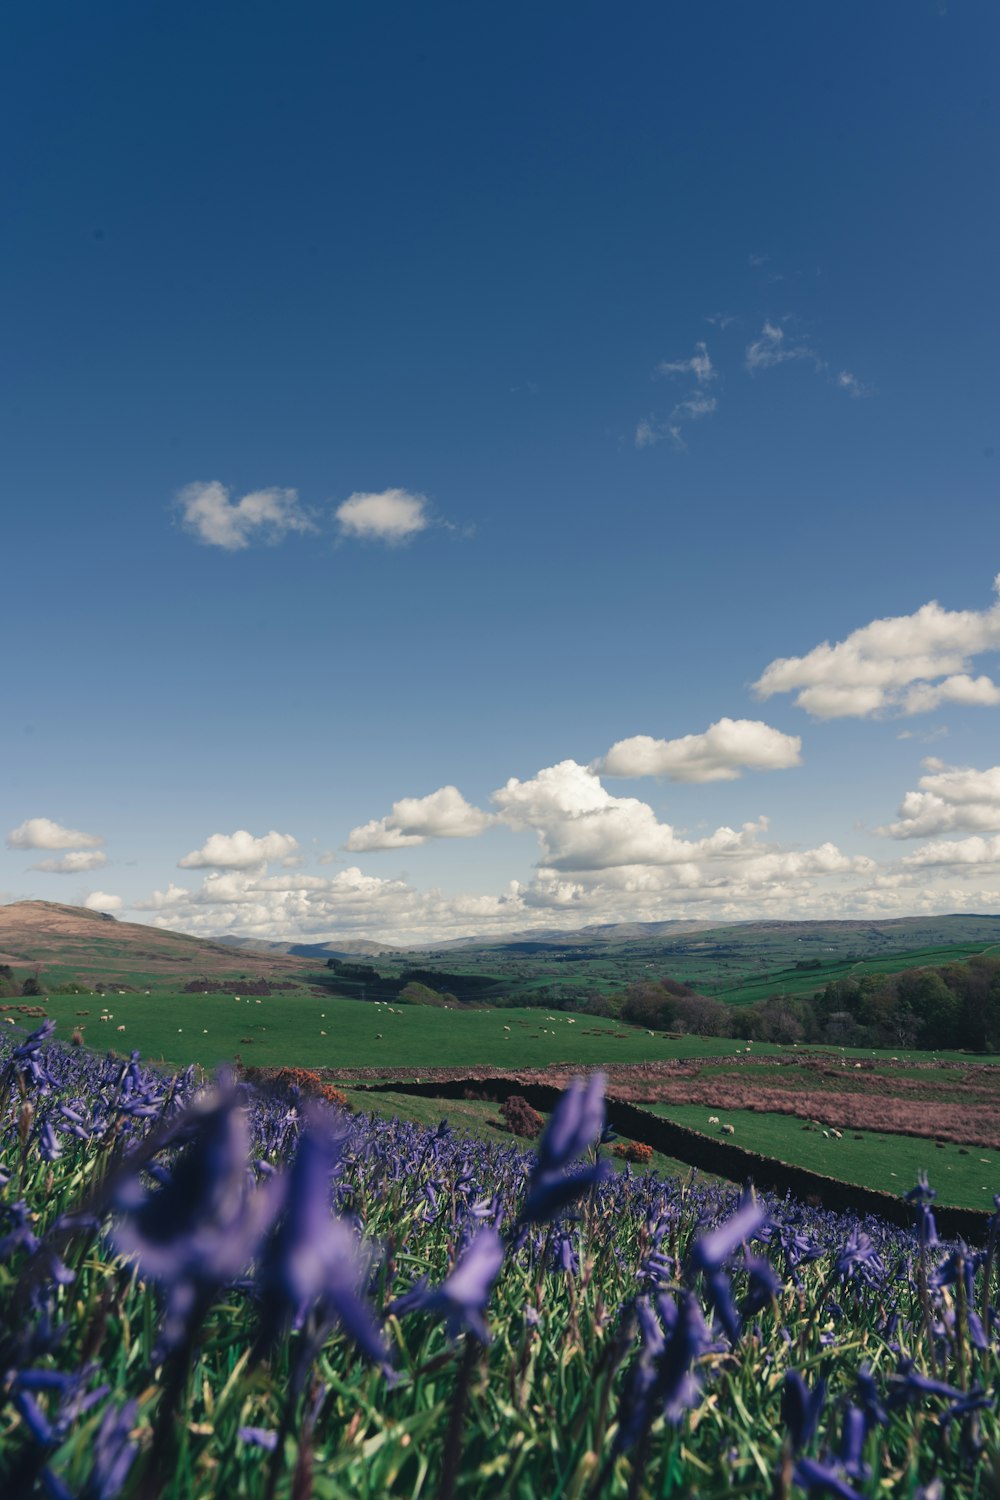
(723, 1158)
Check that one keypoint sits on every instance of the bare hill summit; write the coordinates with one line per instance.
(71, 943)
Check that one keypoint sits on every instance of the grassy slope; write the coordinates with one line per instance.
(877, 1161)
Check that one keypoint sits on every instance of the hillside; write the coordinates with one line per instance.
(70, 943)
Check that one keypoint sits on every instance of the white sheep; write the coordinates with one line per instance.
(713, 1119)
(728, 1129)
(119, 1028)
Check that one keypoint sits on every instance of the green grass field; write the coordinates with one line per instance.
(888, 1162)
(288, 1030)
(791, 981)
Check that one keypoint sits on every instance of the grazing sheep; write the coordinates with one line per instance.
(378, 1036)
(713, 1119)
(728, 1129)
(119, 1028)
(837, 1133)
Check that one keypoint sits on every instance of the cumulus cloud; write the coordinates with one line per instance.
(950, 798)
(582, 827)
(905, 664)
(721, 753)
(208, 513)
(699, 365)
(955, 853)
(443, 814)
(101, 901)
(391, 516)
(349, 903)
(240, 851)
(42, 833)
(72, 864)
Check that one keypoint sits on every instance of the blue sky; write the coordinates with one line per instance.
(403, 406)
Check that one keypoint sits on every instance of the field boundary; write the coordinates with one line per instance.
(722, 1158)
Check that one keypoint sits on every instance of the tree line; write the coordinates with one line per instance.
(955, 1007)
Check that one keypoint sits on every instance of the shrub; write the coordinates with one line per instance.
(520, 1119)
(635, 1151)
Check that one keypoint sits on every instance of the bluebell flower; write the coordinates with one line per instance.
(820, 1479)
(203, 1227)
(315, 1261)
(801, 1408)
(575, 1125)
(764, 1284)
(114, 1453)
(462, 1297)
(258, 1437)
(711, 1250)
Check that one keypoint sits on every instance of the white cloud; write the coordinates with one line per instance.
(391, 516)
(350, 903)
(651, 430)
(693, 408)
(893, 664)
(851, 385)
(721, 753)
(699, 365)
(72, 864)
(581, 827)
(951, 798)
(443, 814)
(955, 852)
(101, 901)
(42, 833)
(771, 348)
(240, 851)
(269, 515)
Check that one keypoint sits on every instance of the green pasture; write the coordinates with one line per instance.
(288, 1030)
(888, 1162)
(792, 981)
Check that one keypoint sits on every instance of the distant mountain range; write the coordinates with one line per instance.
(72, 943)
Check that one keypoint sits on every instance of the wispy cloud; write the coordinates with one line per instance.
(72, 864)
(851, 385)
(699, 365)
(214, 519)
(772, 348)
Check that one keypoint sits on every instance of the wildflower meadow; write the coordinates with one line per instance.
(208, 1289)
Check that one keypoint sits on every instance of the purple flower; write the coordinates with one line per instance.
(801, 1408)
(859, 1258)
(259, 1437)
(462, 1297)
(710, 1250)
(663, 1378)
(574, 1125)
(315, 1261)
(200, 1229)
(819, 1479)
(853, 1436)
(764, 1283)
(114, 1453)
